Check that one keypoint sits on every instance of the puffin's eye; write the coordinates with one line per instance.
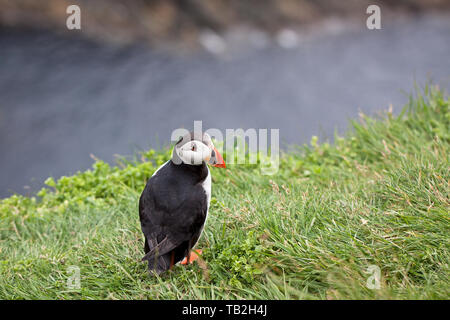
(193, 147)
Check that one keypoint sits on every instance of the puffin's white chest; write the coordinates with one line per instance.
(207, 187)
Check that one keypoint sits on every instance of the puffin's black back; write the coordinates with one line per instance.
(172, 210)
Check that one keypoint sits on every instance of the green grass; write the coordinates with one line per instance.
(379, 196)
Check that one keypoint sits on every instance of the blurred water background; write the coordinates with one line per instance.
(123, 83)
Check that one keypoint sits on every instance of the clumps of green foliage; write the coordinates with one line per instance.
(100, 186)
(377, 197)
(242, 261)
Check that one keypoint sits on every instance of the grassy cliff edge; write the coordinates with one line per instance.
(376, 199)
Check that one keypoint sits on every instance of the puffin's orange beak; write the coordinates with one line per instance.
(220, 162)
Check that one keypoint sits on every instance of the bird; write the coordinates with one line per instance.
(174, 204)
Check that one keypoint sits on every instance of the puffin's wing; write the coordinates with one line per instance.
(162, 221)
(152, 217)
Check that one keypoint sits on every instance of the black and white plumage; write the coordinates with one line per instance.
(174, 204)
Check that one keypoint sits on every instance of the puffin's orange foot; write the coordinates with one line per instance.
(194, 256)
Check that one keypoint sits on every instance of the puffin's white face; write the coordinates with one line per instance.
(194, 152)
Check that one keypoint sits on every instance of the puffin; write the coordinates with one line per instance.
(174, 204)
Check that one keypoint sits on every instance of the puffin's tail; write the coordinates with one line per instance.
(160, 257)
(160, 264)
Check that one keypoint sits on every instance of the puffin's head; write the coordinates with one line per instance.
(194, 149)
